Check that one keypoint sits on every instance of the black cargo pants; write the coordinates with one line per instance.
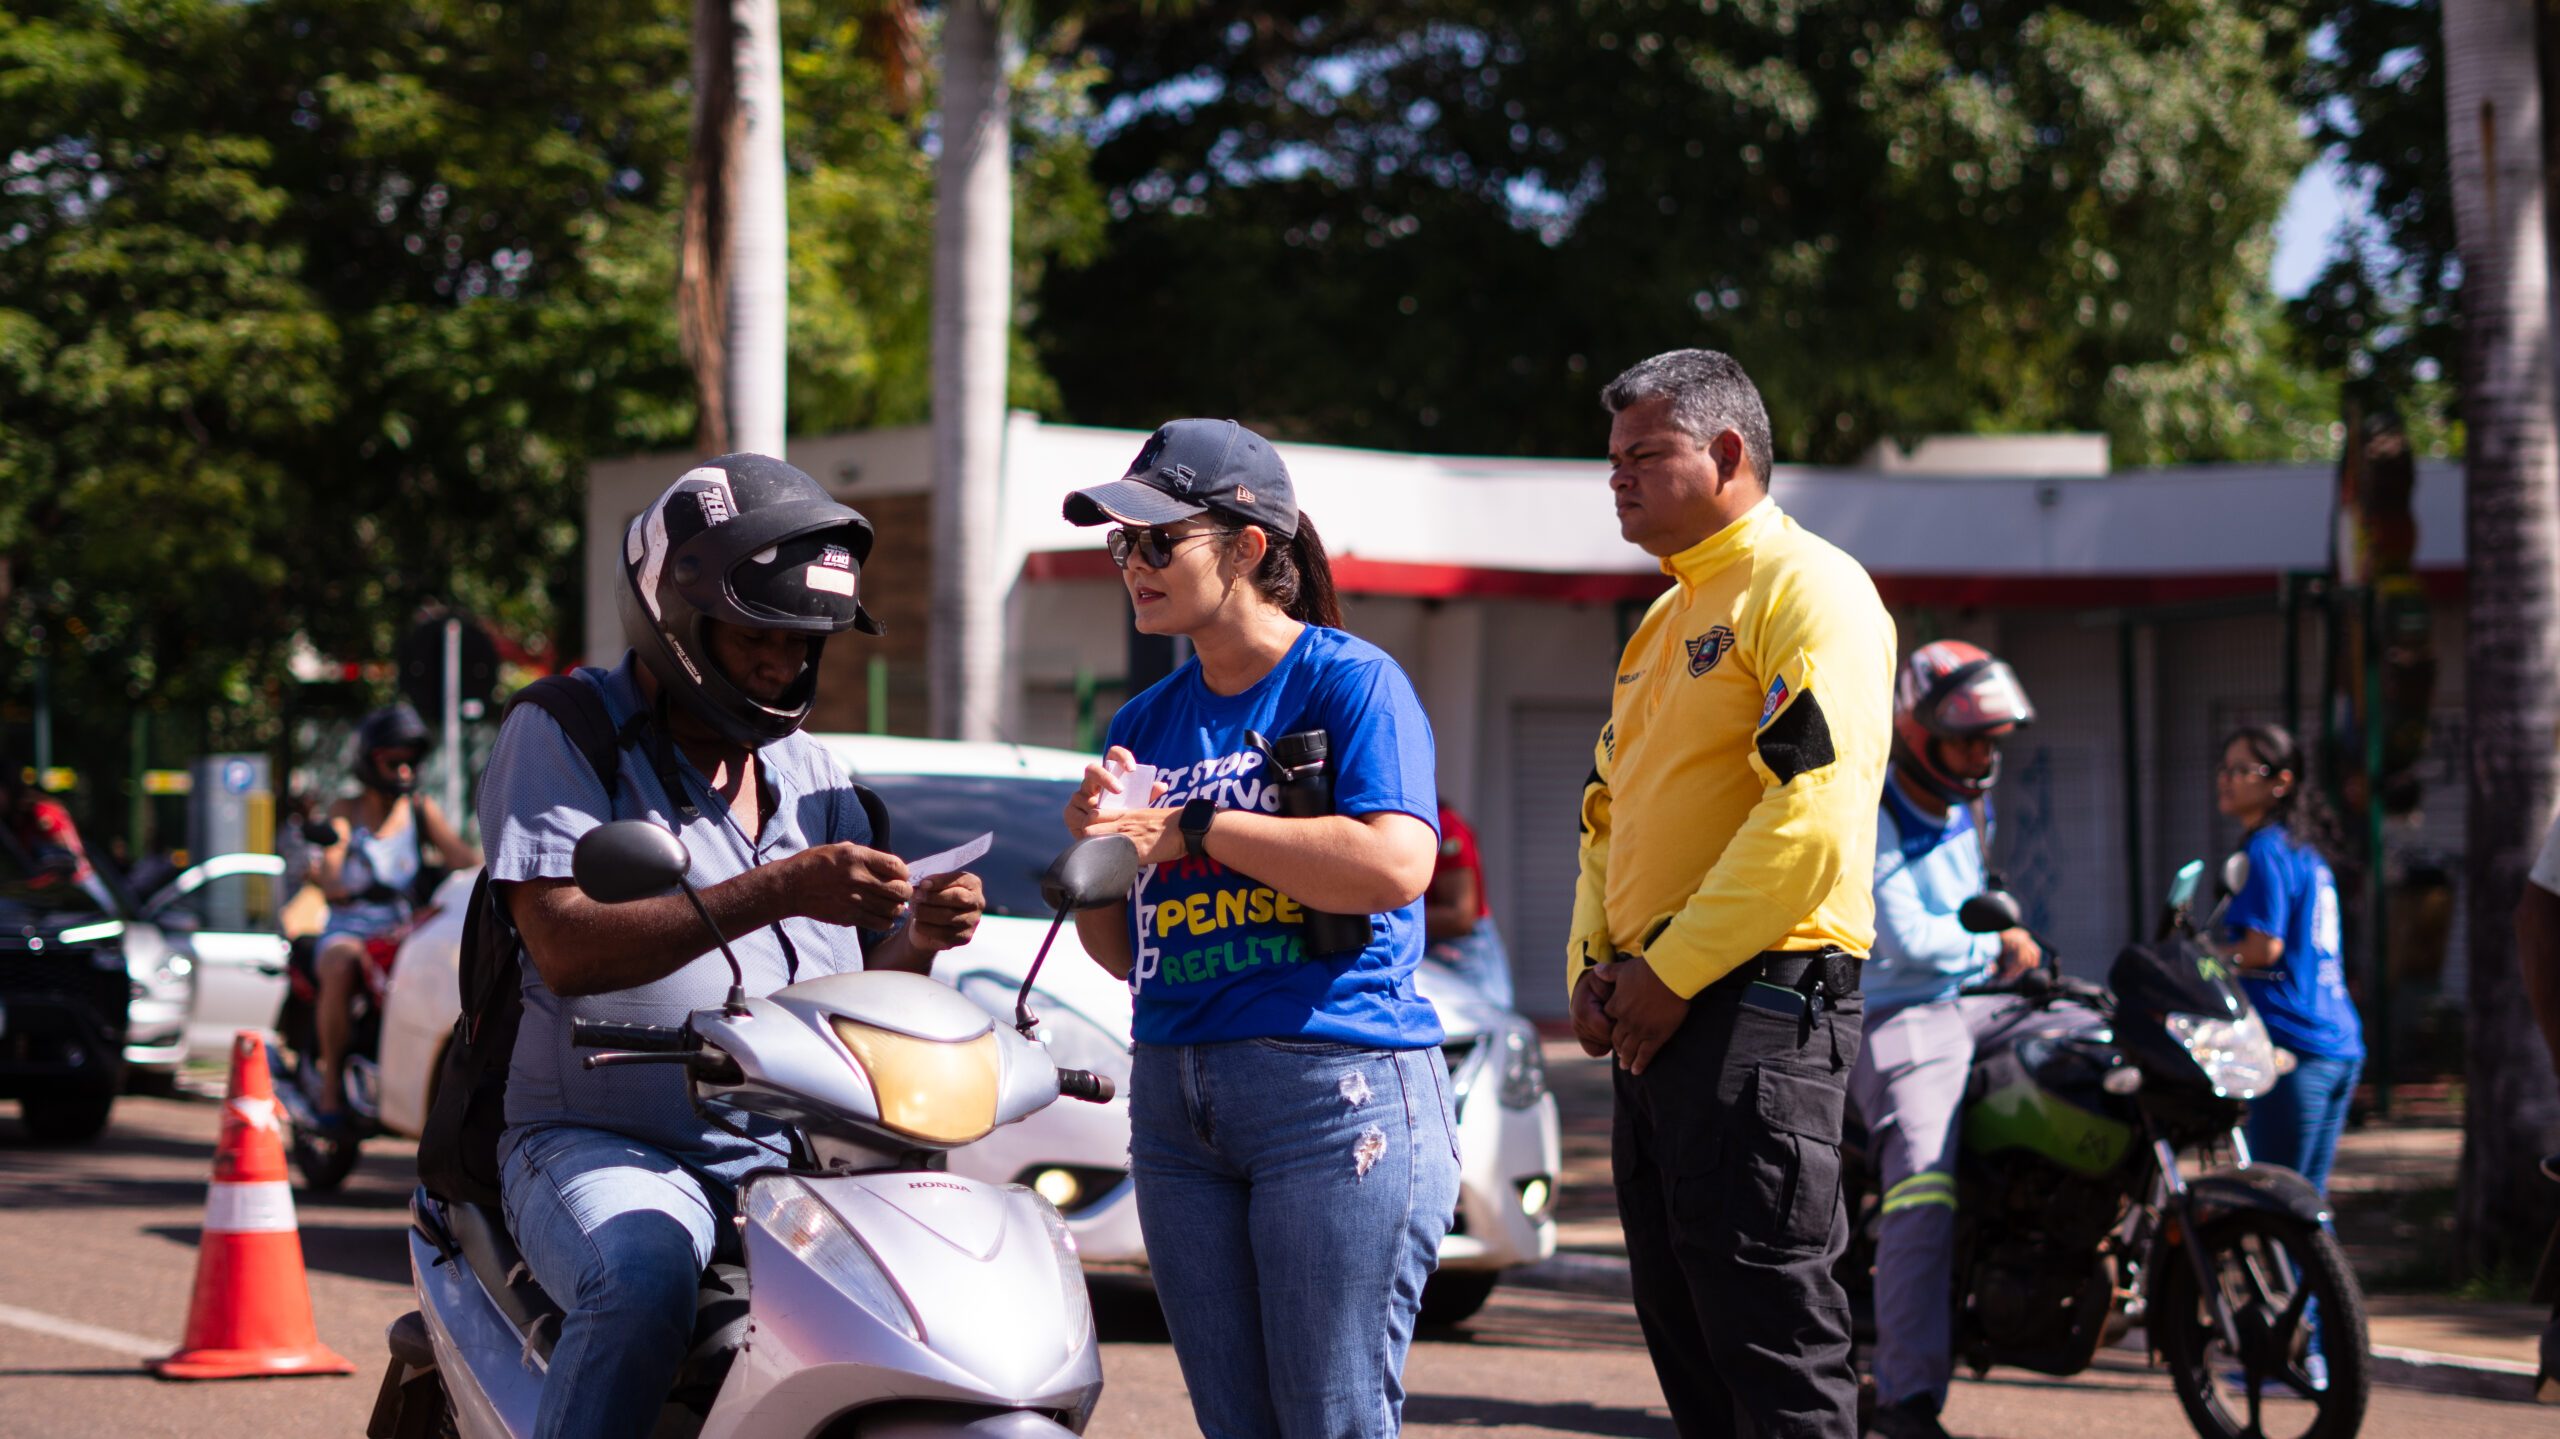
(1726, 1152)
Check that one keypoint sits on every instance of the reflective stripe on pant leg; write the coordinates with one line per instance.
(1930, 1186)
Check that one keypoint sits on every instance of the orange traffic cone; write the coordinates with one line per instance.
(252, 1310)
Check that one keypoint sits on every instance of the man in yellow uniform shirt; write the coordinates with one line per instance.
(1728, 839)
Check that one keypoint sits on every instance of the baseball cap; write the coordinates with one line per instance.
(1188, 467)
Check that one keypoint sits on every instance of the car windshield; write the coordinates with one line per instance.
(40, 884)
(929, 813)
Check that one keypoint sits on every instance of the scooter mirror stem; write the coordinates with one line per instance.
(1023, 1020)
(736, 1004)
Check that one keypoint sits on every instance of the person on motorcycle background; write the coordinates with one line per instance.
(45, 839)
(1953, 704)
(616, 1189)
(384, 834)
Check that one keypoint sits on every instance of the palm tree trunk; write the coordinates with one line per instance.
(972, 305)
(734, 277)
(2512, 522)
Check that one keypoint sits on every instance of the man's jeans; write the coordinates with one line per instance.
(618, 1234)
(1293, 1195)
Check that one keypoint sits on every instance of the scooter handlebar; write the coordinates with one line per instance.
(1085, 1085)
(646, 1038)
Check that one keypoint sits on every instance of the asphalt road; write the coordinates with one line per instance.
(104, 1236)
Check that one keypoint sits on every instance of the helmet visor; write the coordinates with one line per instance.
(813, 577)
(1979, 697)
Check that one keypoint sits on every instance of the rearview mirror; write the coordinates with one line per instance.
(626, 860)
(1989, 912)
(2235, 872)
(1091, 873)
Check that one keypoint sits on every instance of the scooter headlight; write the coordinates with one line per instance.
(1062, 1243)
(938, 1092)
(2237, 1058)
(1524, 1068)
(784, 1208)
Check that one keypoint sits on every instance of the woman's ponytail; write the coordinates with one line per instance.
(1296, 576)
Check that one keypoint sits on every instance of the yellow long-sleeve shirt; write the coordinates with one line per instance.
(1732, 802)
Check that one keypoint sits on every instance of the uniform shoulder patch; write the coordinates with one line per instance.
(1797, 739)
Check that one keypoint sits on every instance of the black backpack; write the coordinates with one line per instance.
(458, 1153)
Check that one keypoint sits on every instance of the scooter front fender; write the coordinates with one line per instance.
(953, 1421)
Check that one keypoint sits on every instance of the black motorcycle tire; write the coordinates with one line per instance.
(323, 1161)
(2183, 1332)
(1453, 1295)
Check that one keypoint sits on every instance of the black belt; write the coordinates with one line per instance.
(1798, 969)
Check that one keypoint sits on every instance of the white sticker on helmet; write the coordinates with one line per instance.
(766, 555)
(834, 582)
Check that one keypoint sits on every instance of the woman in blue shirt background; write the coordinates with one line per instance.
(1291, 1132)
(2283, 932)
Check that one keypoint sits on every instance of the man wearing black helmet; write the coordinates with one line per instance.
(1953, 704)
(615, 1189)
(367, 876)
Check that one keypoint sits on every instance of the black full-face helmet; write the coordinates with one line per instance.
(389, 728)
(749, 541)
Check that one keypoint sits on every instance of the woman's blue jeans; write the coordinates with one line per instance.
(2297, 1123)
(1293, 1195)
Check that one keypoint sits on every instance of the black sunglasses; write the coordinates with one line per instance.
(1152, 543)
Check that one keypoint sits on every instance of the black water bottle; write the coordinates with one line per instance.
(1300, 768)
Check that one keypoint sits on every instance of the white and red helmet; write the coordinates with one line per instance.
(1952, 690)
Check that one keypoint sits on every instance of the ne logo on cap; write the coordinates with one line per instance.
(1243, 495)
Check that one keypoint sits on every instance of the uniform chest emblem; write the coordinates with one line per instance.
(1708, 648)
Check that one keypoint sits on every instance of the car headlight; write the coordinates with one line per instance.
(784, 1208)
(1062, 1243)
(1524, 1068)
(1074, 1041)
(2237, 1058)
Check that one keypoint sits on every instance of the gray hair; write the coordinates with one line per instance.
(1709, 395)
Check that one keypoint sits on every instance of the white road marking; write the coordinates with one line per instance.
(78, 1333)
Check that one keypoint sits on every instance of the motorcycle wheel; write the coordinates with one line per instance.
(1456, 1294)
(2269, 1268)
(324, 1162)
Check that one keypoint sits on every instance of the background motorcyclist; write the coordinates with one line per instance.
(615, 1188)
(46, 840)
(384, 835)
(1952, 706)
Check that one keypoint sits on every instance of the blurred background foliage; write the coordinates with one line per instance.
(1443, 226)
(312, 312)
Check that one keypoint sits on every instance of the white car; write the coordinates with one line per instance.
(207, 959)
(941, 794)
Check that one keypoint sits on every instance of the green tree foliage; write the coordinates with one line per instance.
(314, 311)
(2384, 317)
(1445, 225)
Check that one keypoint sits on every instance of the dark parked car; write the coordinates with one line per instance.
(64, 995)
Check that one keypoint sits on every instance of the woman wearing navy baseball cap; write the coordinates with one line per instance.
(1291, 1131)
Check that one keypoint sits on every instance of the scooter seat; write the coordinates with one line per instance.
(481, 1232)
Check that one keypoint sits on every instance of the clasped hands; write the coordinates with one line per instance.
(1624, 1008)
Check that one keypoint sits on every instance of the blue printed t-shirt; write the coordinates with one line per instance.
(1217, 954)
(2291, 896)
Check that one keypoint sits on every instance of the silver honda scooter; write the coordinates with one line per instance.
(871, 1294)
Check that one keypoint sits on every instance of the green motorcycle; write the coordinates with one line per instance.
(2076, 1221)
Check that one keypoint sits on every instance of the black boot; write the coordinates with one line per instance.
(1912, 1418)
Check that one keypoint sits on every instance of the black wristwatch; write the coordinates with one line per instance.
(1195, 826)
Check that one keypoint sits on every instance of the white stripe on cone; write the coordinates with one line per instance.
(265, 1208)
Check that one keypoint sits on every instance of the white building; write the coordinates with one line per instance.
(1504, 590)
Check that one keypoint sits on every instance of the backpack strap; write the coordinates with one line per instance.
(578, 707)
(875, 810)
